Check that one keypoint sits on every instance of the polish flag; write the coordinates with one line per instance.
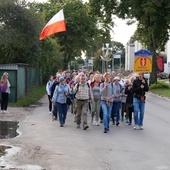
(56, 24)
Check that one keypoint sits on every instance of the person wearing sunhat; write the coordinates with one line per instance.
(59, 99)
(140, 87)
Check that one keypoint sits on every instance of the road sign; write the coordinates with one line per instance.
(143, 61)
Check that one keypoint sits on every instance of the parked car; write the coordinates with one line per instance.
(162, 75)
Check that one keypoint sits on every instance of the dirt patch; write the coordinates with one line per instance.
(28, 155)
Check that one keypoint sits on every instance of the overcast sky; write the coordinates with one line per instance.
(122, 32)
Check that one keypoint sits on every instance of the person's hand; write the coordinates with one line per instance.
(142, 86)
(143, 81)
(106, 85)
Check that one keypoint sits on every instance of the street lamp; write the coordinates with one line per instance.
(107, 54)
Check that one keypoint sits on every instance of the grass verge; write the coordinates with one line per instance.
(161, 88)
(36, 93)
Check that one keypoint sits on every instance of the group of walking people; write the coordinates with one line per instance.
(108, 98)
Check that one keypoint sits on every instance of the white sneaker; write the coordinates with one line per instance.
(135, 127)
(50, 113)
(97, 123)
(5, 111)
(141, 127)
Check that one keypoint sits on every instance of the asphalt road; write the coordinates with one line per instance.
(121, 149)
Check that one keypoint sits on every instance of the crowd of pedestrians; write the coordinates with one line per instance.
(108, 98)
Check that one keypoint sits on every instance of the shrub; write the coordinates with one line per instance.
(160, 84)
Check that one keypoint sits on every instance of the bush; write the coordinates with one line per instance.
(160, 85)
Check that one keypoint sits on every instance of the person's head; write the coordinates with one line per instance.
(61, 80)
(140, 75)
(113, 74)
(4, 77)
(120, 75)
(106, 76)
(67, 73)
(58, 76)
(97, 78)
(131, 79)
(68, 80)
(91, 75)
(116, 80)
(51, 77)
(127, 82)
(77, 78)
(82, 79)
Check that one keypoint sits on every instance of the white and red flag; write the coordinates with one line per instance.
(55, 24)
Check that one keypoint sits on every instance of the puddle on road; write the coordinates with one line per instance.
(2, 149)
(8, 129)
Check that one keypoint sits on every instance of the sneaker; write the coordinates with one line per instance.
(61, 125)
(78, 126)
(117, 123)
(85, 127)
(105, 130)
(141, 127)
(101, 121)
(135, 127)
(97, 123)
(129, 123)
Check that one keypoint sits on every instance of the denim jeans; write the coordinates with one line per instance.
(116, 110)
(106, 113)
(139, 109)
(62, 112)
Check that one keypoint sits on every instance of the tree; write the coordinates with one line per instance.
(19, 29)
(153, 19)
(81, 27)
(153, 24)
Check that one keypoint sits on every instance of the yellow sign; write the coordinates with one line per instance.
(143, 64)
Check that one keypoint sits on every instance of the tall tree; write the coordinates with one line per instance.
(19, 29)
(153, 19)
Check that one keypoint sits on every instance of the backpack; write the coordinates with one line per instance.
(3, 88)
(78, 88)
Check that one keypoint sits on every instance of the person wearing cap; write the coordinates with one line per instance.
(117, 92)
(106, 91)
(140, 87)
(59, 98)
